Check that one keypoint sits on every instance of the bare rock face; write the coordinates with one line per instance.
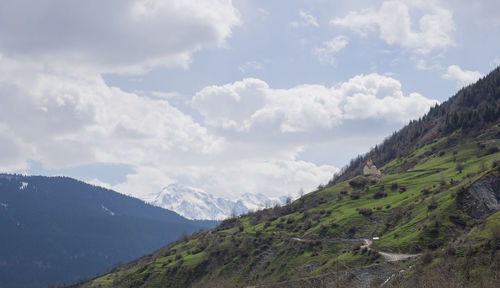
(370, 169)
(482, 197)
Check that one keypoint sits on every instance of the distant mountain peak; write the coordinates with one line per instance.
(194, 203)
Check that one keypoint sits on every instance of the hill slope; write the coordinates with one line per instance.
(438, 199)
(472, 110)
(59, 229)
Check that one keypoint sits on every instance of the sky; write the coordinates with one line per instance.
(231, 97)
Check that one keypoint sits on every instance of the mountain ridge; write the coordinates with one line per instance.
(58, 229)
(194, 203)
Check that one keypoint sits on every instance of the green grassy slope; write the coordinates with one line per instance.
(414, 211)
(419, 205)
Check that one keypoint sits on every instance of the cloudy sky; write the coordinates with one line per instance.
(230, 97)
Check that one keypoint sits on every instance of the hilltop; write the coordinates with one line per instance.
(437, 200)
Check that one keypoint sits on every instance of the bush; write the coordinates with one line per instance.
(492, 150)
(320, 201)
(459, 167)
(355, 194)
(402, 189)
(379, 194)
(358, 182)
(433, 204)
(427, 258)
(365, 211)
(495, 163)
(394, 186)
(344, 192)
(495, 237)
(451, 251)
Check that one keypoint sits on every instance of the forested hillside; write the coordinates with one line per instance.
(470, 111)
(57, 229)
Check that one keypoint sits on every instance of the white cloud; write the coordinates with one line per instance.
(251, 106)
(326, 53)
(461, 77)
(73, 119)
(69, 119)
(263, 11)
(393, 21)
(274, 178)
(251, 66)
(306, 19)
(494, 63)
(114, 36)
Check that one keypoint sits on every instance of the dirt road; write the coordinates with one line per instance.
(391, 257)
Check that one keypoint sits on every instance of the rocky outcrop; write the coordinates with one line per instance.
(482, 197)
(370, 169)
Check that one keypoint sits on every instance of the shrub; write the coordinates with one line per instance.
(344, 192)
(321, 200)
(495, 237)
(433, 204)
(492, 150)
(451, 251)
(495, 163)
(322, 230)
(394, 186)
(379, 194)
(427, 258)
(358, 182)
(482, 167)
(425, 191)
(365, 211)
(402, 189)
(355, 194)
(442, 179)
(459, 167)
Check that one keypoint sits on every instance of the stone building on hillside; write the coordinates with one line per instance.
(370, 169)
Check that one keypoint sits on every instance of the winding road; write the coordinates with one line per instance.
(391, 257)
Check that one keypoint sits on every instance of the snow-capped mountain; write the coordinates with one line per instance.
(194, 203)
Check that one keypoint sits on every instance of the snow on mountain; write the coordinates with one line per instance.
(107, 210)
(194, 203)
